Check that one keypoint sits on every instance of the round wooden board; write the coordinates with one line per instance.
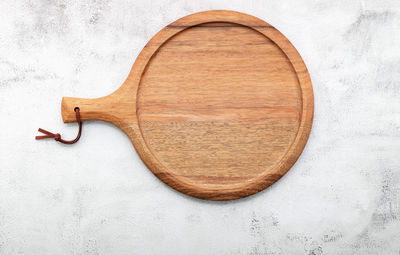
(219, 105)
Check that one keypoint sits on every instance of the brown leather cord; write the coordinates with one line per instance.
(57, 136)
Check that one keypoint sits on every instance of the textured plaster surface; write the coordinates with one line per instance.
(97, 197)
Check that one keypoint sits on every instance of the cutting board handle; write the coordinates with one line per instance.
(111, 108)
(90, 108)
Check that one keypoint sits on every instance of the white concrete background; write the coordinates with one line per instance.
(97, 197)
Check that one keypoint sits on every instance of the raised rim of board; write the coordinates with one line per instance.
(292, 154)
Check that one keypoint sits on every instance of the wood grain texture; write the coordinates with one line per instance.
(219, 105)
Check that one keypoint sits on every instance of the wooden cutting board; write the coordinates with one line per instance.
(219, 105)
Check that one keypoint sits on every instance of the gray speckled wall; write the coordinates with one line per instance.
(97, 197)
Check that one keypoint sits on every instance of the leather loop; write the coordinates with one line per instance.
(57, 136)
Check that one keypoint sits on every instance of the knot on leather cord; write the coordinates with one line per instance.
(57, 136)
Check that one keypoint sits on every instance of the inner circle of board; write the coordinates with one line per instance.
(224, 105)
